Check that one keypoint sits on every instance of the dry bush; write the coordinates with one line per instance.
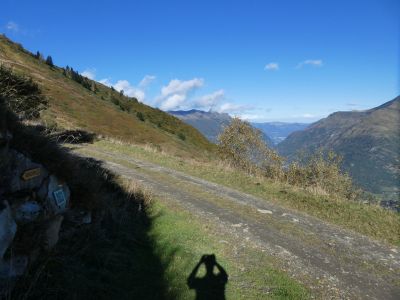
(321, 173)
(243, 147)
(24, 98)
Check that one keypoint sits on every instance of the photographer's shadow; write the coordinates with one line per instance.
(211, 286)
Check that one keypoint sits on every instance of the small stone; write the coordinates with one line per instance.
(237, 225)
(264, 211)
(295, 220)
(87, 218)
(28, 212)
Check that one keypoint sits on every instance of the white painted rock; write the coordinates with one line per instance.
(264, 211)
(55, 195)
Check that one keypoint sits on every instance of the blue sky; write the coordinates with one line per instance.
(261, 60)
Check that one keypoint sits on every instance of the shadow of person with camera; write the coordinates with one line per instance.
(211, 286)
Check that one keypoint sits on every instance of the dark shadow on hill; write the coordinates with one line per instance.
(114, 256)
(211, 286)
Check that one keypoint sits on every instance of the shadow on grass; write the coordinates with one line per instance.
(211, 286)
(112, 258)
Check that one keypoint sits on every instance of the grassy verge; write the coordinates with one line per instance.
(181, 239)
(370, 220)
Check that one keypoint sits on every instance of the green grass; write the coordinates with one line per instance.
(181, 239)
(369, 220)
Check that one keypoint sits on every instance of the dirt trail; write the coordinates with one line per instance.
(335, 263)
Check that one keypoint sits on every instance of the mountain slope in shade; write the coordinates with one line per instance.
(210, 123)
(369, 142)
(103, 111)
(278, 131)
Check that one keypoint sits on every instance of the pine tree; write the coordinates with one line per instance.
(49, 61)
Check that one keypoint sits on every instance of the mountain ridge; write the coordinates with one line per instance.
(368, 140)
(210, 123)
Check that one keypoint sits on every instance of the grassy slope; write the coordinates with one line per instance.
(370, 220)
(73, 106)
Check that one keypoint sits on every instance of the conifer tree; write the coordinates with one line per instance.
(49, 61)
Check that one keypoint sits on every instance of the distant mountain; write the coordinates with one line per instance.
(210, 123)
(369, 142)
(278, 131)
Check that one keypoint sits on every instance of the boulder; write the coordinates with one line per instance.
(25, 174)
(55, 195)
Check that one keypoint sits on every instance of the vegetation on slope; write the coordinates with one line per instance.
(368, 141)
(76, 102)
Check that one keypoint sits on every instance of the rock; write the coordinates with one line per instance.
(264, 211)
(52, 232)
(28, 212)
(8, 227)
(25, 174)
(55, 195)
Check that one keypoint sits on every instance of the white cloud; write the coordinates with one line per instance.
(233, 108)
(210, 100)
(129, 90)
(308, 116)
(12, 26)
(106, 81)
(177, 86)
(252, 117)
(89, 73)
(124, 85)
(146, 81)
(174, 94)
(173, 102)
(311, 62)
(272, 66)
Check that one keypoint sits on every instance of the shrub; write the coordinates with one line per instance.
(243, 147)
(181, 136)
(321, 173)
(140, 116)
(24, 98)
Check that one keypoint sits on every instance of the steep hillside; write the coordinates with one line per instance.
(369, 142)
(278, 131)
(96, 108)
(209, 123)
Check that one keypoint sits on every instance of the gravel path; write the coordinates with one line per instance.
(335, 263)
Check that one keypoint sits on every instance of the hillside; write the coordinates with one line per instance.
(210, 123)
(278, 131)
(369, 142)
(100, 109)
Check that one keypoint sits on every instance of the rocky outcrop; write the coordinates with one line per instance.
(30, 197)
